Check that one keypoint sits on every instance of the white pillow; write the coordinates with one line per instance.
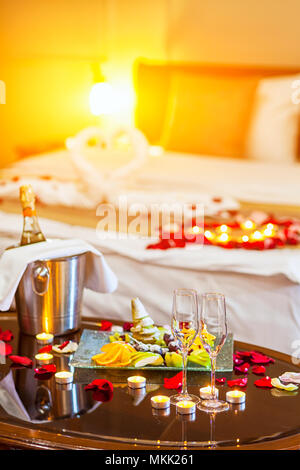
(274, 127)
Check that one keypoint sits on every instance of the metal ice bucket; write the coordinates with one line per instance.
(49, 296)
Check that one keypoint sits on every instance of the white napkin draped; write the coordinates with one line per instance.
(13, 263)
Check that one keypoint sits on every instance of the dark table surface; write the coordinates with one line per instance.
(42, 415)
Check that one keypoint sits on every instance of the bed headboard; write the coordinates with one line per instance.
(153, 79)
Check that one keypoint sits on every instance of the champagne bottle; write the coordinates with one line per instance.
(31, 229)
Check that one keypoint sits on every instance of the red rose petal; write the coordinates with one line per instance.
(243, 354)
(221, 380)
(259, 370)
(21, 361)
(63, 345)
(45, 349)
(237, 382)
(103, 390)
(242, 369)
(45, 372)
(105, 325)
(6, 336)
(237, 361)
(5, 349)
(174, 382)
(264, 382)
(258, 358)
(127, 326)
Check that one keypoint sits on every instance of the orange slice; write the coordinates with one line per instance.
(112, 346)
(106, 358)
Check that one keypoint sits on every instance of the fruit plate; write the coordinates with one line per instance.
(92, 341)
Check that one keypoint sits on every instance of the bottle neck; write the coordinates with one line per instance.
(31, 229)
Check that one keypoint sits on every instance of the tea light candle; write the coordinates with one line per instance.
(205, 393)
(64, 377)
(236, 396)
(43, 358)
(223, 238)
(257, 236)
(136, 382)
(248, 225)
(160, 402)
(185, 407)
(44, 338)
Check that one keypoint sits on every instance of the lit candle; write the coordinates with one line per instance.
(64, 377)
(205, 393)
(185, 407)
(160, 402)
(195, 230)
(136, 382)
(223, 228)
(257, 236)
(223, 238)
(236, 396)
(248, 225)
(44, 338)
(43, 358)
(209, 235)
(268, 232)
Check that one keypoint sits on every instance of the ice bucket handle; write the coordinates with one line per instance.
(40, 278)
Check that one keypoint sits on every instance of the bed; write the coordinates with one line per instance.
(262, 288)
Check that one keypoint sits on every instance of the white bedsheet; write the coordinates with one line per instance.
(262, 288)
(244, 180)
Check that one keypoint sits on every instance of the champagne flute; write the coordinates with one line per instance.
(185, 327)
(213, 333)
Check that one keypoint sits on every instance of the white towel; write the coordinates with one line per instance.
(98, 276)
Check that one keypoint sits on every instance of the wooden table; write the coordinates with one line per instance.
(39, 415)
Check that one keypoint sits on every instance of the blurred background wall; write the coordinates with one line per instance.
(50, 48)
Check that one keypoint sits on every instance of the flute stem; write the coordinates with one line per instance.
(213, 360)
(184, 377)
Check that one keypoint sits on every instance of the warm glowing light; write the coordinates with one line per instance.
(235, 396)
(209, 235)
(160, 402)
(64, 377)
(205, 393)
(268, 232)
(245, 238)
(44, 358)
(248, 225)
(270, 226)
(196, 229)
(186, 404)
(223, 228)
(136, 381)
(223, 238)
(185, 407)
(257, 235)
(102, 99)
(156, 151)
(44, 338)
